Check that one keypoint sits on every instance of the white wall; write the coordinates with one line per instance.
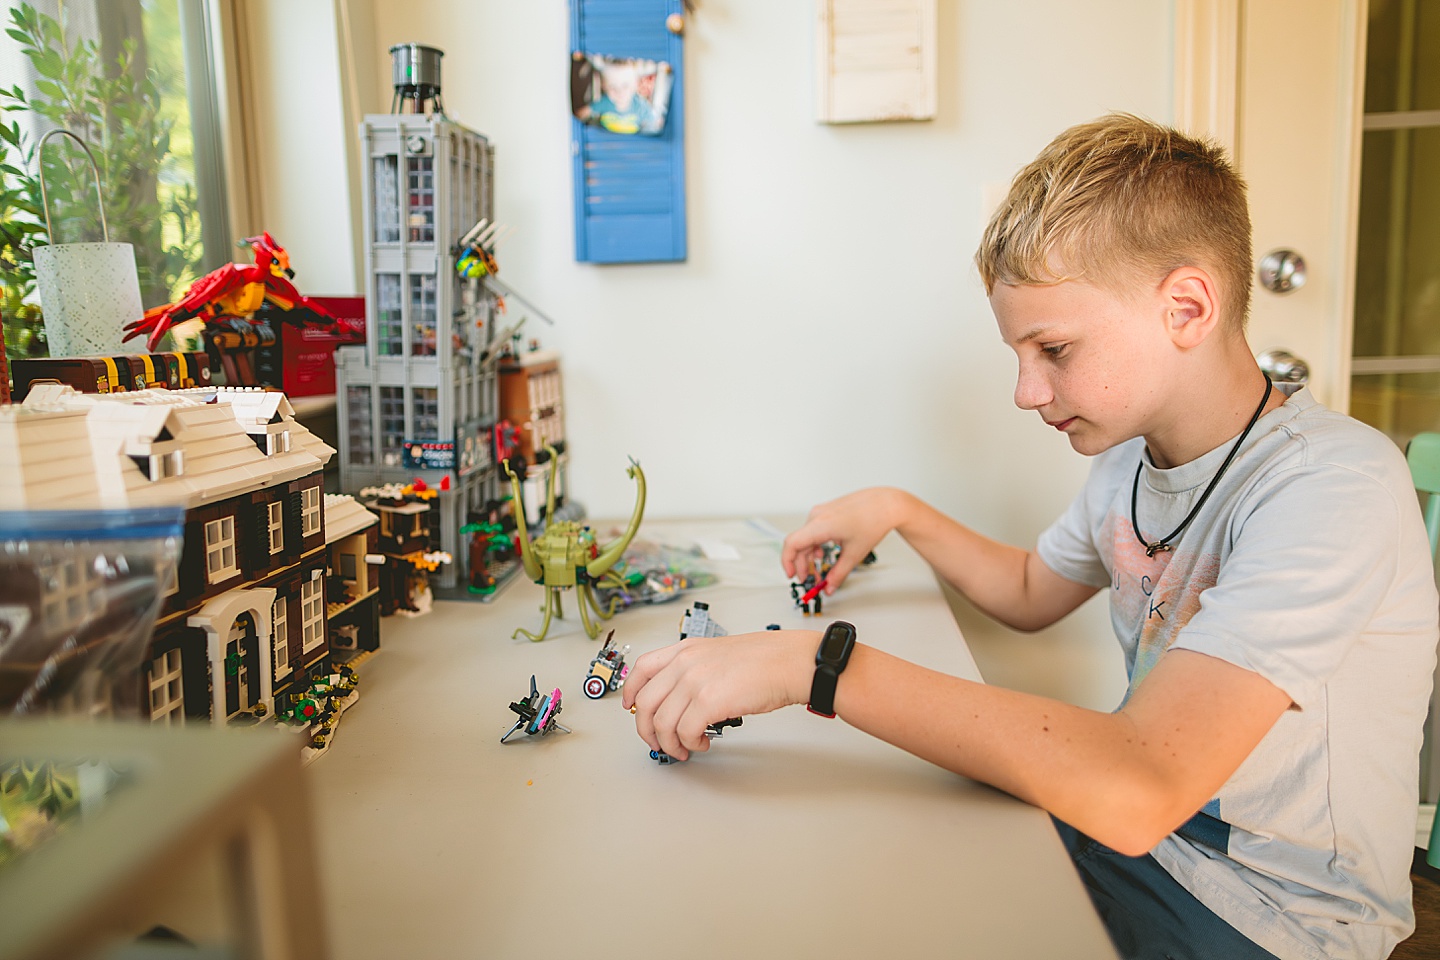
(828, 330)
(304, 194)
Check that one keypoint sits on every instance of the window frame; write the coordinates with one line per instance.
(225, 539)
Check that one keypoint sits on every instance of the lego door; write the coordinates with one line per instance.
(629, 184)
(242, 662)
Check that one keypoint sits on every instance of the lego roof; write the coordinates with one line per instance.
(343, 516)
(44, 442)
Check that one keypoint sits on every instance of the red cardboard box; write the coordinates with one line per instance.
(308, 354)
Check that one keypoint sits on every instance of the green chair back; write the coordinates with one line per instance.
(1423, 455)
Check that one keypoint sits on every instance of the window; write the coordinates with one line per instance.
(79, 65)
(390, 330)
(220, 550)
(167, 692)
(280, 636)
(276, 523)
(71, 593)
(422, 314)
(362, 444)
(427, 415)
(386, 171)
(277, 443)
(392, 425)
(347, 567)
(164, 465)
(312, 614)
(422, 199)
(158, 466)
(309, 511)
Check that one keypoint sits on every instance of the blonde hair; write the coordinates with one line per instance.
(1122, 198)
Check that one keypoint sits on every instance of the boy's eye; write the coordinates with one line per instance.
(1055, 350)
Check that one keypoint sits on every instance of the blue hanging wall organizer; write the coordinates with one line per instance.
(630, 190)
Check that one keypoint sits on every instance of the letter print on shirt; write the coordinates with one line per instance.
(1154, 597)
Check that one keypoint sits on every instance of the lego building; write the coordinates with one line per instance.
(419, 398)
(245, 630)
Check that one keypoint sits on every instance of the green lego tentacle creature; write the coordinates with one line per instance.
(566, 555)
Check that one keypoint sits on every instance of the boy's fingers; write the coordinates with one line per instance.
(691, 729)
(644, 669)
(666, 716)
(796, 547)
(838, 573)
(648, 701)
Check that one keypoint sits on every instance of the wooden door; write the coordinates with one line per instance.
(1279, 83)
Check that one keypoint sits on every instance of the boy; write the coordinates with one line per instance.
(1268, 572)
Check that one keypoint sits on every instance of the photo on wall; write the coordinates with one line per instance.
(620, 95)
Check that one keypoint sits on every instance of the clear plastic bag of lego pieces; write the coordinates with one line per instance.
(653, 572)
(79, 594)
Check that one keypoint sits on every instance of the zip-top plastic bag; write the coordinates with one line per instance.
(79, 594)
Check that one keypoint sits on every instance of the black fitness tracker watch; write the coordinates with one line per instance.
(830, 661)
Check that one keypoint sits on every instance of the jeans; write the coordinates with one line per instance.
(1148, 914)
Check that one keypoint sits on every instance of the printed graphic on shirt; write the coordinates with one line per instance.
(1158, 594)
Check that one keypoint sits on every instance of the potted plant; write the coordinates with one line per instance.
(126, 110)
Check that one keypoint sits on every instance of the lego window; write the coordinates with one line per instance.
(427, 415)
(309, 511)
(167, 692)
(277, 443)
(620, 95)
(220, 550)
(312, 615)
(386, 171)
(276, 524)
(347, 567)
(280, 636)
(421, 194)
(422, 314)
(357, 406)
(392, 426)
(72, 593)
(390, 327)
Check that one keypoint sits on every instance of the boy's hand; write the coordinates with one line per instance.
(677, 690)
(857, 521)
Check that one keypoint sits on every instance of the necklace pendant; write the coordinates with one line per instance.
(1153, 548)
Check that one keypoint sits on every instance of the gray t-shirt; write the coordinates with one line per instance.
(1310, 566)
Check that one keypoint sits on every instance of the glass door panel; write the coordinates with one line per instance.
(1396, 356)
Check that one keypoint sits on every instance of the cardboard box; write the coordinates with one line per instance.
(307, 355)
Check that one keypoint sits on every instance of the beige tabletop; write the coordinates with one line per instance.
(795, 836)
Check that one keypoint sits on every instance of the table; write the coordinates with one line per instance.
(794, 836)
(186, 794)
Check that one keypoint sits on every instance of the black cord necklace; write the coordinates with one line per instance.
(1164, 542)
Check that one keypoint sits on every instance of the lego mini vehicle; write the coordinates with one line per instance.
(697, 622)
(712, 731)
(608, 670)
(537, 714)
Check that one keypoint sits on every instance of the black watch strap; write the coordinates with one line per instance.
(830, 661)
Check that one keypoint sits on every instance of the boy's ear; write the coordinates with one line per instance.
(1191, 306)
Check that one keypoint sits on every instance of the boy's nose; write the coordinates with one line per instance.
(1031, 391)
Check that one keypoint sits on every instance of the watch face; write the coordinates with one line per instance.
(836, 642)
